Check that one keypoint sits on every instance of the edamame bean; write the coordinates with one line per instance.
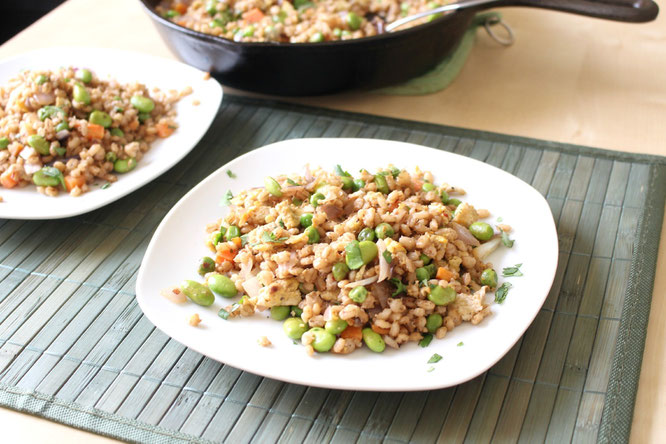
(315, 198)
(454, 202)
(4, 143)
(481, 230)
(280, 312)
(382, 185)
(273, 187)
(422, 274)
(425, 259)
(358, 184)
(232, 232)
(369, 251)
(296, 311)
(317, 37)
(294, 328)
(110, 156)
(124, 165)
(306, 220)
(142, 104)
(84, 75)
(216, 237)
(206, 265)
(143, 117)
(323, 340)
(373, 340)
(48, 177)
(427, 186)
(222, 285)
(384, 230)
(60, 150)
(359, 253)
(100, 118)
(366, 234)
(353, 21)
(62, 126)
(340, 271)
(39, 143)
(433, 322)
(489, 277)
(347, 183)
(197, 293)
(442, 295)
(358, 294)
(117, 132)
(335, 326)
(313, 235)
(445, 196)
(248, 31)
(432, 270)
(81, 94)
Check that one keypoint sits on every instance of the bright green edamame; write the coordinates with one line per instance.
(347, 183)
(197, 293)
(442, 295)
(427, 186)
(206, 265)
(100, 118)
(273, 187)
(481, 230)
(232, 232)
(422, 274)
(382, 185)
(313, 235)
(384, 230)
(142, 104)
(433, 322)
(323, 340)
(280, 312)
(39, 143)
(489, 277)
(124, 165)
(317, 37)
(306, 220)
(315, 198)
(358, 294)
(81, 94)
(373, 340)
(62, 126)
(445, 196)
(340, 271)
(366, 234)
(353, 21)
(4, 143)
(84, 75)
(358, 184)
(360, 253)
(48, 177)
(216, 237)
(369, 251)
(222, 285)
(294, 328)
(335, 326)
(454, 202)
(425, 259)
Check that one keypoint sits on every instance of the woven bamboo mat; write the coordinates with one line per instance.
(75, 348)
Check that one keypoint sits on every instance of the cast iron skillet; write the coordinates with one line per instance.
(371, 62)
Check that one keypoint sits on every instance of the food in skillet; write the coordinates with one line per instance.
(379, 259)
(63, 129)
(295, 21)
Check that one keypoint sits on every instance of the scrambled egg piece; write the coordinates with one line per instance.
(393, 246)
(465, 214)
(280, 292)
(467, 305)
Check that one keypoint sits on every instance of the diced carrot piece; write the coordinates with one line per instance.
(181, 8)
(443, 274)
(380, 330)
(253, 15)
(95, 131)
(134, 124)
(7, 179)
(164, 130)
(72, 182)
(226, 255)
(352, 332)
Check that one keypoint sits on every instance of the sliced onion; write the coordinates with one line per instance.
(62, 134)
(482, 251)
(32, 168)
(384, 267)
(44, 98)
(252, 287)
(308, 174)
(464, 235)
(332, 211)
(27, 152)
(382, 292)
(364, 282)
(246, 268)
(174, 295)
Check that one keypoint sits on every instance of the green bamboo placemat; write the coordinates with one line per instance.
(75, 348)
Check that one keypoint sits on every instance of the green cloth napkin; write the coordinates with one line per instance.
(446, 71)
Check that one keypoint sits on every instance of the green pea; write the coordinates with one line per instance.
(60, 150)
(142, 104)
(280, 312)
(294, 328)
(217, 237)
(445, 197)
(110, 156)
(432, 270)
(306, 220)
(296, 310)
(217, 23)
(100, 118)
(384, 230)
(296, 202)
(41, 79)
(143, 117)
(442, 295)
(4, 143)
(315, 198)
(427, 186)
(171, 13)
(81, 94)
(382, 185)
(347, 182)
(117, 132)
(489, 277)
(206, 265)
(340, 271)
(313, 235)
(211, 7)
(425, 259)
(49, 111)
(197, 293)
(366, 234)
(373, 340)
(273, 187)
(323, 340)
(358, 184)
(481, 230)
(433, 322)
(222, 285)
(62, 126)
(358, 294)
(84, 75)
(335, 326)
(353, 21)
(454, 202)
(39, 143)
(337, 32)
(48, 177)
(232, 232)
(422, 274)
(124, 165)
(317, 37)
(248, 31)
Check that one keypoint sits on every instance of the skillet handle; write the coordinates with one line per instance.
(636, 11)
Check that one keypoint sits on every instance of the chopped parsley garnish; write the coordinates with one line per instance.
(387, 256)
(105, 186)
(395, 172)
(269, 237)
(224, 314)
(54, 172)
(340, 172)
(280, 223)
(501, 292)
(243, 239)
(434, 359)
(427, 339)
(460, 344)
(231, 174)
(512, 271)
(291, 182)
(399, 286)
(499, 219)
(296, 202)
(505, 239)
(226, 200)
(431, 368)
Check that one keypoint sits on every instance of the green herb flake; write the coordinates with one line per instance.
(500, 294)
(505, 239)
(434, 359)
(105, 186)
(395, 172)
(280, 223)
(499, 220)
(340, 172)
(54, 172)
(269, 237)
(460, 344)
(430, 369)
(231, 174)
(387, 256)
(291, 182)
(226, 200)
(399, 286)
(512, 271)
(427, 339)
(243, 239)
(224, 314)
(296, 202)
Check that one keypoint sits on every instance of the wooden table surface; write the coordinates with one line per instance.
(567, 78)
